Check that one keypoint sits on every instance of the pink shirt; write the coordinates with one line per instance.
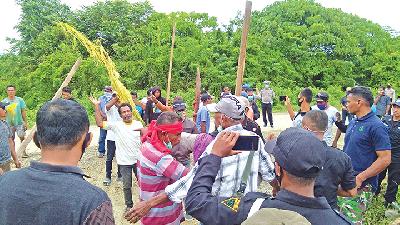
(156, 170)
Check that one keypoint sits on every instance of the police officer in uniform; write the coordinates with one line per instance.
(299, 159)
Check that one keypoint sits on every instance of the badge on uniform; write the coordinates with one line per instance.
(232, 203)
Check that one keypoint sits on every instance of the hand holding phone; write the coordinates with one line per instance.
(246, 143)
(224, 143)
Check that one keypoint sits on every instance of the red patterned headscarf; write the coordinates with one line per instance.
(152, 138)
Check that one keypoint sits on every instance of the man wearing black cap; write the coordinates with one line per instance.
(323, 104)
(299, 159)
(7, 148)
(393, 124)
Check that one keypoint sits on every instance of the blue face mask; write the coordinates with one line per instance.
(250, 98)
(322, 105)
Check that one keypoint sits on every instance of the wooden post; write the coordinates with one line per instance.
(171, 56)
(196, 102)
(243, 45)
(66, 81)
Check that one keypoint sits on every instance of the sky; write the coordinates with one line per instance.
(383, 12)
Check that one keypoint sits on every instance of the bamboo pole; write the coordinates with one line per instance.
(243, 45)
(196, 101)
(171, 56)
(66, 81)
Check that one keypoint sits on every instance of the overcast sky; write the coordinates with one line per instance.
(383, 12)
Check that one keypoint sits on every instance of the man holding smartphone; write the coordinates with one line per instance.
(231, 112)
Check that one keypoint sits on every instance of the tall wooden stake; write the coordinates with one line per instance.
(66, 81)
(196, 101)
(243, 45)
(171, 56)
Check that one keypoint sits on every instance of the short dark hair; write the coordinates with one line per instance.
(363, 92)
(307, 93)
(67, 89)
(318, 120)
(10, 85)
(123, 105)
(61, 122)
(302, 181)
(134, 93)
(168, 118)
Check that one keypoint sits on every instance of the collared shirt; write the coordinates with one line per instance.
(203, 115)
(365, 136)
(5, 135)
(267, 95)
(209, 209)
(382, 104)
(156, 170)
(52, 195)
(230, 173)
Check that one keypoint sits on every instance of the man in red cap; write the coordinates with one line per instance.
(157, 168)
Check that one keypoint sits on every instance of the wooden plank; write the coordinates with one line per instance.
(196, 102)
(243, 45)
(171, 56)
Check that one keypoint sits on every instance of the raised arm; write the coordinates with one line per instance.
(289, 108)
(97, 111)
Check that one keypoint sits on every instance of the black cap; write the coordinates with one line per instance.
(204, 97)
(300, 152)
(179, 105)
(322, 96)
(3, 105)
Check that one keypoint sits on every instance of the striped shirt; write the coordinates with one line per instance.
(230, 173)
(156, 170)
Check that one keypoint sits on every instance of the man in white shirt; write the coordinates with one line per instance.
(323, 104)
(127, 141)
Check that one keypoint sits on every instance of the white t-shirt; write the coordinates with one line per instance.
(331, 112)
(127, 140)
(112, 117)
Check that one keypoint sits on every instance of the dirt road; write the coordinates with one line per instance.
(95, 167)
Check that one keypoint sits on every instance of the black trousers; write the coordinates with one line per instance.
(266, 108)
(110, 155)
(127, 171)
(393, 182)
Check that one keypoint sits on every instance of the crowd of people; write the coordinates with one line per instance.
(199, 168)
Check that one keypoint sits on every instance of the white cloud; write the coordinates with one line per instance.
(383, 12)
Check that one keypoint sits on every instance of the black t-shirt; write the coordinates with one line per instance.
(337, 171)
(394, 134)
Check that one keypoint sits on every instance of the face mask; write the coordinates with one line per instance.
(299, 102)
(250, 98)
(168, 144)
(321, 106)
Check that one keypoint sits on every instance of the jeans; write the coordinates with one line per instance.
(266, 108)
(393, 181)
(110, 155)
(126, 171)
(102, 141)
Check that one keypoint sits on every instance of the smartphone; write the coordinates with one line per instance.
(282, 98)
(246, 143)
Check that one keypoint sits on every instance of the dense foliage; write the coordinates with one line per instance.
(295, 43)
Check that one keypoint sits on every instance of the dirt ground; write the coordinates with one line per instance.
(95, 167)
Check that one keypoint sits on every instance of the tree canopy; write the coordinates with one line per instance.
(294, 43)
